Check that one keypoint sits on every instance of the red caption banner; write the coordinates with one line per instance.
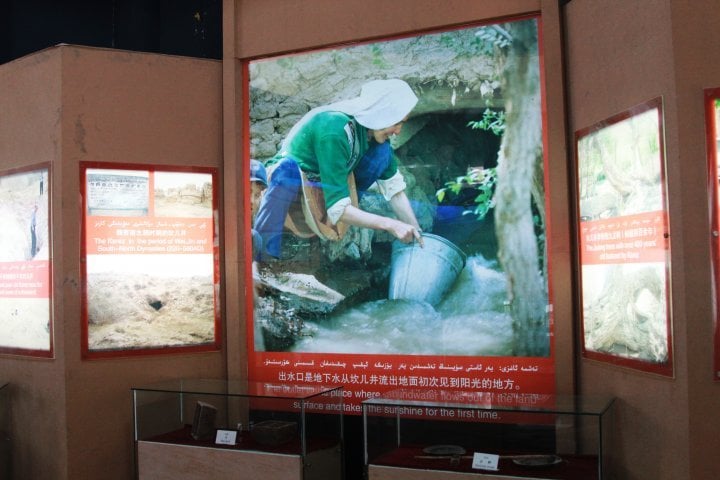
(639, 238)
(116, 235)
(25, 279)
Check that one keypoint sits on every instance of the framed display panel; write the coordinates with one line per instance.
(472, 307)
(25, 267)
(712, 123)
(624, 240)
(150, 268)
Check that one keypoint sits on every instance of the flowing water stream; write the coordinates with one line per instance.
(471, 320)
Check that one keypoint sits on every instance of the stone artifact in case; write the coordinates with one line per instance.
(203, 425)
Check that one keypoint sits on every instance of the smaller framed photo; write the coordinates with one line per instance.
(226, 437)
(150, 259)
(26, 326)
(624, 240)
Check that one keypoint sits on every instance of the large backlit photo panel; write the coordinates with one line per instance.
(359, 154)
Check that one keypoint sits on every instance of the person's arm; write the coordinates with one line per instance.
(403, 231)
(400, 204)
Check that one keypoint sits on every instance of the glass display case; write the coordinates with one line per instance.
(199, 429)
(423, 434)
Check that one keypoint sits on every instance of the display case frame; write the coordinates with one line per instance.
(185, 429)
(520, 435)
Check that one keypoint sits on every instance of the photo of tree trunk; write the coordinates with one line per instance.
(624, 238)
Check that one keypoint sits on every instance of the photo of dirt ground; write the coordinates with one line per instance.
(24, 322)
(140, 310)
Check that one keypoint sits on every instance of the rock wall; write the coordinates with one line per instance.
(451, 71)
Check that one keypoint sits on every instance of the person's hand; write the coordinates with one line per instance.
(405, 232)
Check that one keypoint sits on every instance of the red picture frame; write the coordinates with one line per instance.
(26, 262)
(149, 260)
(712, 135)
(441, 362)
(624, 240)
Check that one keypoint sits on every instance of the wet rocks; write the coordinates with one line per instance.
(302, 292)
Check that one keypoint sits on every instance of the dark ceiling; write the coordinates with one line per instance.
(176, 27)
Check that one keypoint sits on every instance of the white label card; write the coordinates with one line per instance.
(485, 461)
(226, 437)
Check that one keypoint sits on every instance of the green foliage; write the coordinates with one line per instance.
(449, 41)
(482, 181)
(492, 121)
(486, 41)
(377, 57)
(539, 228)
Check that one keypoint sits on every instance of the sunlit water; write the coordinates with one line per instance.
(470, 321)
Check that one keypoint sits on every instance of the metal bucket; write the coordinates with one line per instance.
(424, 274)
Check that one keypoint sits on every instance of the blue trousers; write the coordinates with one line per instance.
(284, 189)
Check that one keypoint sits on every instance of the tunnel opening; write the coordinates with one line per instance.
(445, 148)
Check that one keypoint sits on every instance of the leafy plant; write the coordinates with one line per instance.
(482, 181)
(539, 228)
(492, 121)
(377, 57)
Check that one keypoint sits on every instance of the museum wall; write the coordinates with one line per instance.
(30, 96)
(265, 28)
(71, 104)
(72, 417)
(620, 54)
(696, 38)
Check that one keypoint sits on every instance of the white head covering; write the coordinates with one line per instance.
(381, 104)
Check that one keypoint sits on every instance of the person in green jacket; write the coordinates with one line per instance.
(331, 154)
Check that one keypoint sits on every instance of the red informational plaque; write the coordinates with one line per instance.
(624, 240)
(391, 246)
(712, 131)
(25, 269)
(149, 260)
